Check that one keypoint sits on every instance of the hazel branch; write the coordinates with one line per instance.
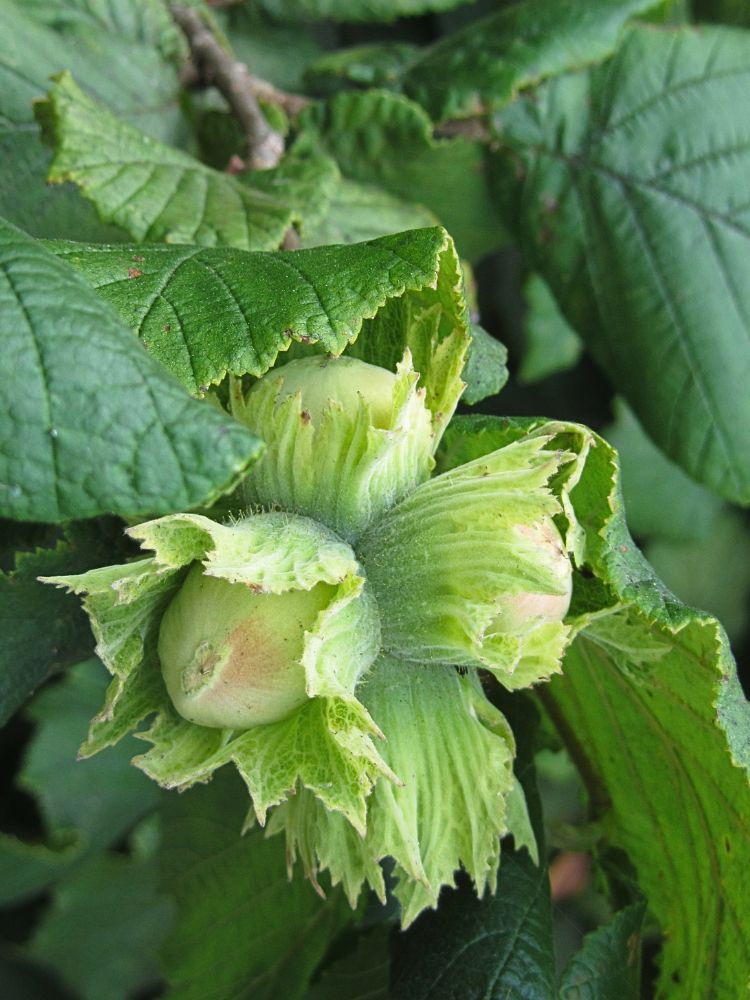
(263, 145)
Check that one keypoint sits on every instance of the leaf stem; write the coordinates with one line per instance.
(236, 397)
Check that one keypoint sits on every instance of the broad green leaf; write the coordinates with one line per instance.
(111, 69)
(243, 929)
(94, 424)
(379, 64)
(274, 51)
(660, 500)
(650, 680)
(633, 212)
(144, 21)
(27, 869)
(385, 140)
(550, 345)
(711, 572)
(104, 927)
(485, 372)
(497, 947)
(354, 10)
(156, 192)
(359, 212)
(203, 312)
(362, 974)
(487, 63)
(608, 966)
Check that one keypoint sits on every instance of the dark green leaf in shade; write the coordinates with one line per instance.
(44, 629)
(487, 63)
(101, 797)
(361, 974)
(608, 965)
(635, 212)
(735, 12)
(103, 929)
(243, 931)
(550, 345)
(21, 979)
(485, 372)
(92, 423)
(203, 312)
(85, 805)
(495, 948)
(354, 10)
(156, 192)
(384, 139)
(109, 66)
(651, 711)
(27, 869)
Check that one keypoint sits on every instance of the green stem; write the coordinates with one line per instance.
(236, 397)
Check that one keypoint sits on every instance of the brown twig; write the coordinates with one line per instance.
(264, 146)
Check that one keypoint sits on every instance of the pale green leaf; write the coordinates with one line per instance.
(243, 929)
(635, 212)
(273, 552)
(203, 312)
(487, 63)
(156, 192)
(93, 424)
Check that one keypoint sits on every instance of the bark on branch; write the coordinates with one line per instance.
(263, 145)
